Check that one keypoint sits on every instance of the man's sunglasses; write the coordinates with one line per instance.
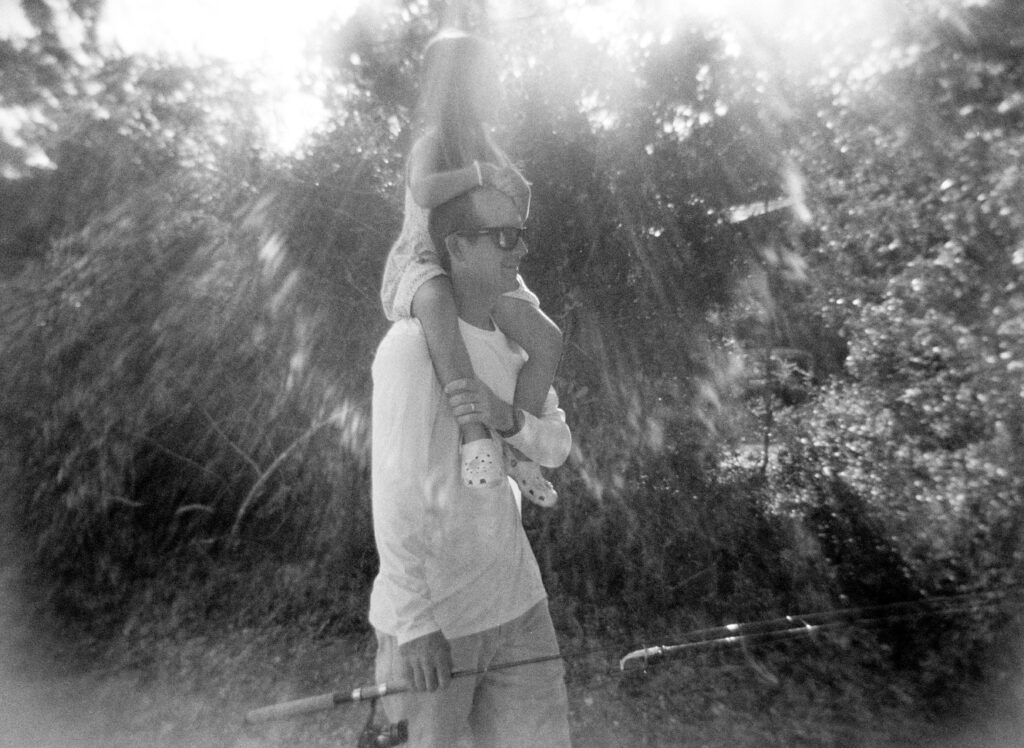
(505, 237)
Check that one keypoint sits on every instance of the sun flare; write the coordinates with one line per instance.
(268, 38)
(800, 23)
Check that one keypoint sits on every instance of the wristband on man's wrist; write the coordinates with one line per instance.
(517, 425)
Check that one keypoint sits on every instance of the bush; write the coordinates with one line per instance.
(680, 547)
(173, 379)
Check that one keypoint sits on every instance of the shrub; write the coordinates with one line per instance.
(175, 379)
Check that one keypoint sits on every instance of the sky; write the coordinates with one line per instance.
(244, 31)
(269, 36)
(260, 35)
(251, 34)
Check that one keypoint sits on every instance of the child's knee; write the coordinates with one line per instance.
(434, 297)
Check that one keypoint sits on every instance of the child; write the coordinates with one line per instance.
(454, 154)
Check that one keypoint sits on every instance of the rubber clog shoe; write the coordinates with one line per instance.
(534, 486)
(481, 464)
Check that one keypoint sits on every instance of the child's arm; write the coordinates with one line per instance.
(541, 339)
(430, 187)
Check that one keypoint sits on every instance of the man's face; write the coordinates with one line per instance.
(479, 259)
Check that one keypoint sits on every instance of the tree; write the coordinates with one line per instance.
(915, 178)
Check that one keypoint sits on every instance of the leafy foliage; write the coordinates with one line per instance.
(916, 441)
(189, 318)
(170, 371)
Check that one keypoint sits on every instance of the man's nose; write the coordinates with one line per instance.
(521, 250)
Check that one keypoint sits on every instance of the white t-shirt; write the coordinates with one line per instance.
(452, 559)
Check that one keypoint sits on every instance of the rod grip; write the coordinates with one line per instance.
(323, 701)
(288, 709)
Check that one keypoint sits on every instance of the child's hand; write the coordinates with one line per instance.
(511, 182)
(489, 173)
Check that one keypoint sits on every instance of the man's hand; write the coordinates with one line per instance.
(472, 401)
(427, 662)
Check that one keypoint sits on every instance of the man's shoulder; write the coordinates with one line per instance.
(403, 343)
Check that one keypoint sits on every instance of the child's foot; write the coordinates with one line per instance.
(481, 464)
(532, 484)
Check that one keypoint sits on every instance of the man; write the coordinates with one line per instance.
(459, 587)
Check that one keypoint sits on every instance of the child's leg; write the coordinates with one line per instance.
(542, 340)
(434, 306)
(540, 337)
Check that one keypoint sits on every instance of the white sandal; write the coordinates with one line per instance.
(532, 484)
(481, 465)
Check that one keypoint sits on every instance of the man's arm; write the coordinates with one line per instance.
(545, 440)
(405, 401)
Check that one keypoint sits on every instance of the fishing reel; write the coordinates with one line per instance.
(382, 736)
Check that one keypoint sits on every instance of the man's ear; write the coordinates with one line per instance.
(452, 244)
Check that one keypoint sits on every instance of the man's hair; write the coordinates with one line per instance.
(457, 214)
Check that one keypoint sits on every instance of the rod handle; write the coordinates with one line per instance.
(291, 708)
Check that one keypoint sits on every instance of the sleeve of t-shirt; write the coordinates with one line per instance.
(545, 440)
(405, 404)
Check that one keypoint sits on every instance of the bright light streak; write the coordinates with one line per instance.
(13, 23)
(267, 38)
(800, 23)
(600, 21)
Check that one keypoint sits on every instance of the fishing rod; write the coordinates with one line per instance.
(785, 627)
(808, 623)
(367, 693)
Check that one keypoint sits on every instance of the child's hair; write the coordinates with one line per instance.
(453, 64)
(457, 214)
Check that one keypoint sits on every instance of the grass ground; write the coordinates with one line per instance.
(168, 679)
(172, 689)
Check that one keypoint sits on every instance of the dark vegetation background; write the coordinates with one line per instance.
(790, 285)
